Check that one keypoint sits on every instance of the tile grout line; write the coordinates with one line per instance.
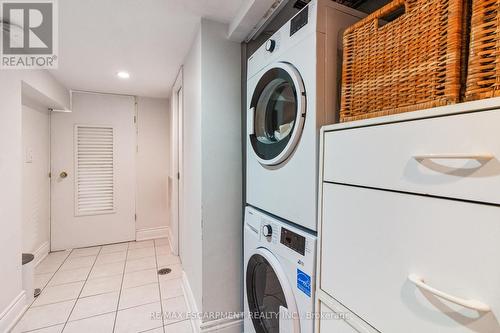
(95, 315)
(68, 257)
(121, 288)
(83, 297)
(159, 288)
(67, 300)
(53, 274)
(172, 297)
(42, 328)
(81, 290)
(65, 283)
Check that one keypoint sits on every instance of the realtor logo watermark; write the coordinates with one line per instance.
(29, 34)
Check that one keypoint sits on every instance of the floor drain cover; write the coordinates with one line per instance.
(164, 271)
(38, 291)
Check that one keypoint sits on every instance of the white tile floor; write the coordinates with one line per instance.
(111, 288)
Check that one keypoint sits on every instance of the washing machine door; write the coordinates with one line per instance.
(276, 116)
(271, 302)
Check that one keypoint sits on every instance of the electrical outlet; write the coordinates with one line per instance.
(29, 155)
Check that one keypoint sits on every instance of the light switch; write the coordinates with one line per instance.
(29, 155)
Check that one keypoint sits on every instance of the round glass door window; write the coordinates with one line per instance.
(277, 114)
(265, 295)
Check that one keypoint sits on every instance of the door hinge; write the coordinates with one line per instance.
(135, 119)
(50, 174)
(135, 217)
(178, 176)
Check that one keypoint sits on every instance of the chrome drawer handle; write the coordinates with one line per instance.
(470, 304)
(481, 157)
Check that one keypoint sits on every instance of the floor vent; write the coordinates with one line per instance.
(164, 271)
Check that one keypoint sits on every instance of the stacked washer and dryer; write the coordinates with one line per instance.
(293, 87)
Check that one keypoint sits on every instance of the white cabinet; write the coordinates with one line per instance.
(454, 156)
(409, 228)
(377, 239)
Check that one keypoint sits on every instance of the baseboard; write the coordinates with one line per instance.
(41, 253)
(11, 315)
(191, 303)
(234, 325)
(170, 237)
(231, 325)
(151, 233)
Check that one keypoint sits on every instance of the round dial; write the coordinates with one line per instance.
(267, 230)
(270, 45)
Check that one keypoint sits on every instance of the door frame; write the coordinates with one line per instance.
(177, 153)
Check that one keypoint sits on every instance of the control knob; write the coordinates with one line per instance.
(267, 230)
(270, 45)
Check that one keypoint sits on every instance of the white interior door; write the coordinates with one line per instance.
(177, 110)
(93, 172)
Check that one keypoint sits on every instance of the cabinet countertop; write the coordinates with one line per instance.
(466, 107)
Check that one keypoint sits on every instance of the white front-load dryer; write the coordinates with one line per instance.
(292, 92)
(279, 276)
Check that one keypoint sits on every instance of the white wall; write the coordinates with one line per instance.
(153, 163)
(211, 231)
(190, 247)
(11, 171)
(36, 181)
(10, 195)
(221, 175)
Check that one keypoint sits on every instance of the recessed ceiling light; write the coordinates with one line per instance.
(123, 75)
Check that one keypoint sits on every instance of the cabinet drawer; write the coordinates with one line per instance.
(454, 156)
(334, 318)
(329, 323)
(373, 240)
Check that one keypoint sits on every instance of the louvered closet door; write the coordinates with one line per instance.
(93, 172)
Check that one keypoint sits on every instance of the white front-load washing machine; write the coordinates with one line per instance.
(292, 91)
(279, 276)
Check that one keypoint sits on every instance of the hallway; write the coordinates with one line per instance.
(112, 288)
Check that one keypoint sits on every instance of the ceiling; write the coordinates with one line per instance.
(147, 38)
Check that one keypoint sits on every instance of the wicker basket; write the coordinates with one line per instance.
(483, 79)
(411, 63)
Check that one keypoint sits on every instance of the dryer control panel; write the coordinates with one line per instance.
(293, 241)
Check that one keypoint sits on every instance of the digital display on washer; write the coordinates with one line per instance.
(299, 21)
(293, 241)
